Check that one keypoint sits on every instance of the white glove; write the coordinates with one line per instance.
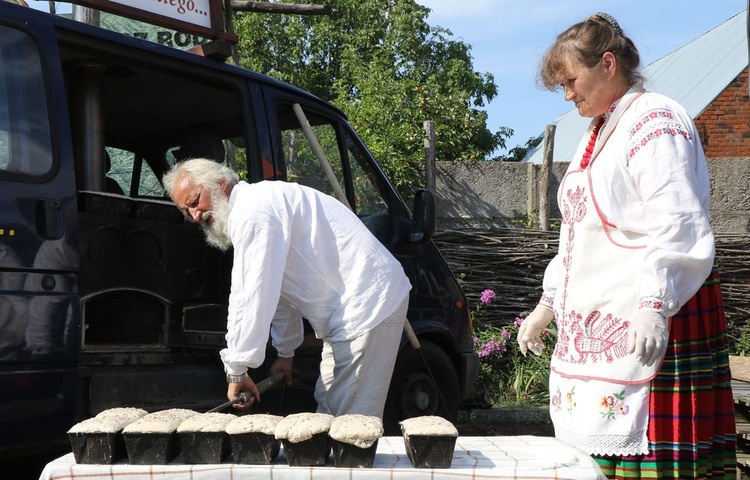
(648, 336)
(530, 330)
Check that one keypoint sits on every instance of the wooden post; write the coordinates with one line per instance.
(429, 154)
(86, 15)
(293, 8)
(549, 147)
(229, 27)
(531, 190)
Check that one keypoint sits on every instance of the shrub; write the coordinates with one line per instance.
(506, 376)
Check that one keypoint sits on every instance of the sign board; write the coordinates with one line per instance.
(201, 17)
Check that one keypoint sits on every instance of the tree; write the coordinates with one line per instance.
(517, 153)
(388, 70)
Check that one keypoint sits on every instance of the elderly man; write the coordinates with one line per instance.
(299, 253)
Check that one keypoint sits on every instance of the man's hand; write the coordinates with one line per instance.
(530, 330)
(247, 385)
(282, 364)
(648, 336)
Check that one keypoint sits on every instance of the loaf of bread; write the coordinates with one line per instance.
(299, 427)
(206, 422)
(203, 437)
(431, 425)
(253, 439)
(112, 420)
(152, 439)
(258, 423)
(163, 421)
(305, 438)
(99, 440)
(354, 440)
(429, 441)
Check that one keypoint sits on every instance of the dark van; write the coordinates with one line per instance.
(108, 297)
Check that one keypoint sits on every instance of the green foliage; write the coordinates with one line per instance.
(506, 376)
(741, 344)
(517, 153)
(389, 71)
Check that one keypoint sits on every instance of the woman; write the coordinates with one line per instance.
(640, 372)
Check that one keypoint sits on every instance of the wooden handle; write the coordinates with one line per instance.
(268, 383)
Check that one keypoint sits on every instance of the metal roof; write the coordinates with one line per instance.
(693, 75)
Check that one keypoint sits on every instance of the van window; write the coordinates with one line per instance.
(25, 146)
(124, 165)
(369, 191)
(304, 167)
(367, 185)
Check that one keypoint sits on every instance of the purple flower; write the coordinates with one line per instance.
(488, 296)
(492, 347)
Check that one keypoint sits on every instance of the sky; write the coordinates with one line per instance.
(509, 37)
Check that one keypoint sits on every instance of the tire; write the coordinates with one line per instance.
(413, 392)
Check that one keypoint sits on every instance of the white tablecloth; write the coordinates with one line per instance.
(518, 457)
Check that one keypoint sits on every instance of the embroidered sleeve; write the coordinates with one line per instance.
(653, 304)
(549, 283)
(653, 126)
(669, 172)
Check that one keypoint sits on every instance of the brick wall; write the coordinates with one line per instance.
(724, 125)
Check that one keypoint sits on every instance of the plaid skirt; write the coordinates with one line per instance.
(691, 431)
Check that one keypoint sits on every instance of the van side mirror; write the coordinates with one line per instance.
(423, 217)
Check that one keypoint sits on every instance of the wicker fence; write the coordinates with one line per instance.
(512, 261)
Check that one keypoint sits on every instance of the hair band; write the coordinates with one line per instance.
(610, 20)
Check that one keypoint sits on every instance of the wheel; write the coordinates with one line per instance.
(413, 392)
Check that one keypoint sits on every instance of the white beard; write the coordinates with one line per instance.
(216, 232)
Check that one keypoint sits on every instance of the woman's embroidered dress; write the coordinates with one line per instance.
(635, 234)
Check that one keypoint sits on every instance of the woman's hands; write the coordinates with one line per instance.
(530, 330)
(648, 336)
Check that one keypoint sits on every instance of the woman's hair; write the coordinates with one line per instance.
(585, 43)
(201, 171)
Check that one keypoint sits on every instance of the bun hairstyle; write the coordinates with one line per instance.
(585, 43)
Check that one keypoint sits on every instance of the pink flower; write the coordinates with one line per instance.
(488, 296)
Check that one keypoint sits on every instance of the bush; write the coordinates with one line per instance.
(506, 376)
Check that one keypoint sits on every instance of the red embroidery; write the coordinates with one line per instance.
(547, 300)
(573, 206)
(652, 304)
(597, 339)
(651, 126)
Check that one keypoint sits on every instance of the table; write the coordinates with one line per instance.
(511, 457)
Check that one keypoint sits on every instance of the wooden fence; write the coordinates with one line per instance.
(511, 262)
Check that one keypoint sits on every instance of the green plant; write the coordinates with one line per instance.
(506, 376)
(741, 346)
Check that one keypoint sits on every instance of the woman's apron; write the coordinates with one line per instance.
(598, 392)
